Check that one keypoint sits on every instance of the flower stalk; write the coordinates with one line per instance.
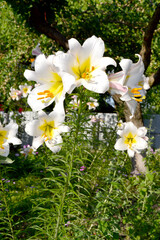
(70, 166)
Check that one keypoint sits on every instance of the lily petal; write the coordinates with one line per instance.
(37, 142)
(33, 99)
(99, 82)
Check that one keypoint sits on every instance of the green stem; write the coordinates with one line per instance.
(60, 210)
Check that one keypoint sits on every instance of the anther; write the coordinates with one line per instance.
(93, 68)
(40, 93)
(136, 90)
(40, 98)
(83, 75)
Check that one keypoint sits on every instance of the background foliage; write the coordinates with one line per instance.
(51, 195)
(120, 23)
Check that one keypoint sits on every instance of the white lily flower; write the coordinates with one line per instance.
(132, 139)
(8, 135)
(93, 103)
(87, 64)
(25, 90)
(15, 94)
(47, 129)
(54, 83)
(130, 83)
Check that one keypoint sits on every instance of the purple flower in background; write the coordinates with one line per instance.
(67, 224)
(82, 168)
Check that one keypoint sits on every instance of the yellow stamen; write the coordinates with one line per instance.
(50, 95)
(46, 93)
(136, 90)
(130, 139)
(48, 130)
(84, 75)
(137, 95)
(40, 98)
(40, 93)
(93, 68)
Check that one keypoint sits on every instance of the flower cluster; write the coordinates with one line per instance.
(82, 65)
(22, 93)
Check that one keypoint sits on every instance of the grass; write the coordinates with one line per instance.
(101, 201)
(86, 191)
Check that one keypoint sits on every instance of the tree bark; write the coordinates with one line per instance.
(38, 20)
(148, 36)
(154, 79)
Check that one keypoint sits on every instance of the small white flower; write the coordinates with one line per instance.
(25, 90)
(47, 129)
(15, 94)
(8, 135)
(75, 102)
(94, 119)
(120, 125)
(132, 139)
(93, 103)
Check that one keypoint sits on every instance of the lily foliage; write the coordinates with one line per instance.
(71, 173)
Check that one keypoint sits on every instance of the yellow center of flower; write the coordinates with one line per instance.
(25, 89)
(137, 95)
(48, 130)
(83, 70)
(92, 104)
(3, 135)
(54, 91)
(130, 139)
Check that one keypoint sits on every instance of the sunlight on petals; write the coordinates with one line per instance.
(132, 139)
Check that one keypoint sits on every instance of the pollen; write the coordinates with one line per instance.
(136, 90)
(87, 74)
(137, 95)
(45, 94)
(40, 98)
(40, 93)
(84, 75)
